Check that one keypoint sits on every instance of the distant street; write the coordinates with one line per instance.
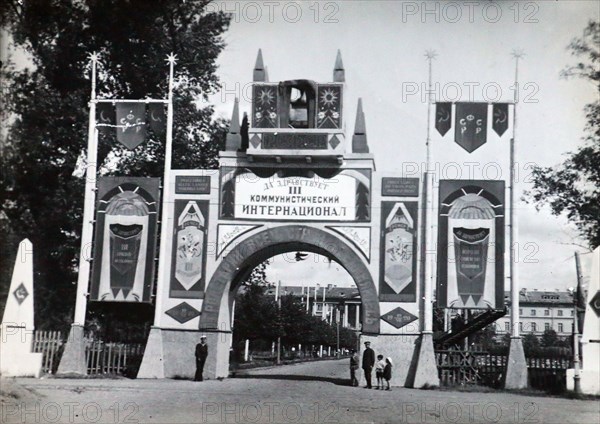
(316, 392)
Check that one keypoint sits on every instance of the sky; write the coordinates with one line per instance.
(383, 45)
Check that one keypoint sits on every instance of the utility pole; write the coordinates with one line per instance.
(576, 363)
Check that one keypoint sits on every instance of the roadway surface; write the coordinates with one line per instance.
(314, 392)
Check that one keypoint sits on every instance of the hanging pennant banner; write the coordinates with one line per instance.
(500, 120)
(443, 117)
(125, 240)
(105, 117)
(470, 128)
(471, 253)
(131, 124)
(157, 118)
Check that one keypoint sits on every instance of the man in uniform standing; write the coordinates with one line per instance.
(368, 361)
(201, 354)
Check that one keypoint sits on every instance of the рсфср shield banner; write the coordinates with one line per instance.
(470, 128)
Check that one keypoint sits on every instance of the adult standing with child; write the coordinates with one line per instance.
(368, 361)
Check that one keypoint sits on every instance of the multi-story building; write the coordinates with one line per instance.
(541, 310)
(332, 303)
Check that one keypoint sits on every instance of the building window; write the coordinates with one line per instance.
(520, 327)
(546, 312)
(572, 312)
(533, 327)
(533, 312)
(560, 327)
(547, 326)
(507, 326)
(520, 311)
(560, 313)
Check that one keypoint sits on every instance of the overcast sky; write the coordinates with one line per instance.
(383, 45)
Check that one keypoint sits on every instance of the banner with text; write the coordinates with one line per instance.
(296, 196)
(125, 240)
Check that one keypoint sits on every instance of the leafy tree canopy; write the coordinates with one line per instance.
(41, 186)
(573, 187)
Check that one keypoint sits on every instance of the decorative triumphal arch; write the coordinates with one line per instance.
(291, 178)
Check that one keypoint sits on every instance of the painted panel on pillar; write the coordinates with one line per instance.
(471, 244)
(189, 249)
(125, 240)
(398, 261)
(329, 104)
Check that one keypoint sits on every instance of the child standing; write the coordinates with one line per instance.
(379, 366)
(387, 372)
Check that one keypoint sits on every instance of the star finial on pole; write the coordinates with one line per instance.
(94, 56)
(517, 53)
(172, 59)
(430, 54)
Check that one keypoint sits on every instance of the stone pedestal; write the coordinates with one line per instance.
(590, 339)
(171, 354)
(424, 372)
(400, 348)
(73, 358)
(516, 366)
(16, 358)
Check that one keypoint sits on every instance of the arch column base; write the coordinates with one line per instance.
(516, 366)
(399, 347)
(424, 366)
(73, 358)
(171, 354)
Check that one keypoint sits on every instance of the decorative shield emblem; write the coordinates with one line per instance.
(471, 247)
(131, 124)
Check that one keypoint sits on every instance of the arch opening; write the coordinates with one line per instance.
(246, 255)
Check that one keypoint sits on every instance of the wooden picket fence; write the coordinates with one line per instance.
(111, 358)
(101, 357)
(459, 367)
(547, 371)
(51, 344)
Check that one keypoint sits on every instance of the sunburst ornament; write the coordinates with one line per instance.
(266, 97)
(328, 97)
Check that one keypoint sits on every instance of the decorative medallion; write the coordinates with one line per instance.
(398, 317)
(183, 313)
(21, 293)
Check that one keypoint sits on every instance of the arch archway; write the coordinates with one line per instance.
(272, 241)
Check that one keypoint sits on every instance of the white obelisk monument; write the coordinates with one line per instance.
(16, 330)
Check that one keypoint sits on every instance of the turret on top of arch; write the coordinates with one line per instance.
(298, 119)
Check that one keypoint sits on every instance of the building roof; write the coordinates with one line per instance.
(331, 293)
(539, 297)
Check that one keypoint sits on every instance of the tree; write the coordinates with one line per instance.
(549, 338)
(41, 185)
(573, 187)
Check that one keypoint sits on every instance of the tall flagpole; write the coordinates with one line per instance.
(516, 369)
(73, 358)
(513, 243)
(426, 373)
(429, 239)
(167, 201)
